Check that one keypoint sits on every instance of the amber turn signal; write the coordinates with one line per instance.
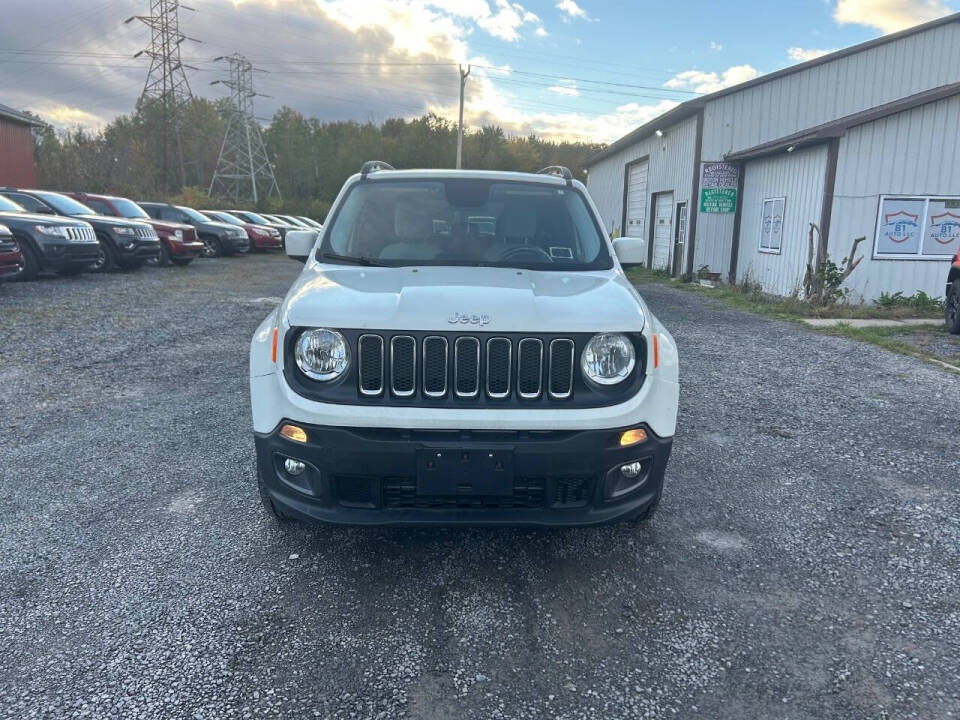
(632, 437)
(273, 346)
(292, 432)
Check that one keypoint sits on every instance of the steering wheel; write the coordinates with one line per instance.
(520, 250)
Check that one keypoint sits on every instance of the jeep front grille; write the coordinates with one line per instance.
(81, 234)
(145, 232)
(500, 367)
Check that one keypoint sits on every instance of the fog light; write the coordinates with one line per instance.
(294, 467)
(292, 432)
(630, 470)
(633, 437)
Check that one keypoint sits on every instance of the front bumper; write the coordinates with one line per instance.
(237, 243)
(266, 243)
(10, 263)
(369, 476)
(180, 249)
(61, 255)
(136, 251)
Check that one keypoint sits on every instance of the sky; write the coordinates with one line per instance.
(567, 69)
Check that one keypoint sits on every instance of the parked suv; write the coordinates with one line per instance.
(64, 245)
(123, 243)
(178, 241)
(11, 260)
(463, 347)
(262, 237)
(257, 219)
(218, 238)
(953, 296)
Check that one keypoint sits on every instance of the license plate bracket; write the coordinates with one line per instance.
(465, 472)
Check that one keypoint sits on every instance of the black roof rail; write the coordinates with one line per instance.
(373, 165)
(559, 171)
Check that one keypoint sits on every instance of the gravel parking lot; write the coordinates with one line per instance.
(804, 562)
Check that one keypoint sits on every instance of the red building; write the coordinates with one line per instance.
(16, 148)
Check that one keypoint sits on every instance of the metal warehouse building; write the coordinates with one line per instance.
(862, 142)
(16, 148)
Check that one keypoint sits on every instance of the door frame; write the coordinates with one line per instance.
(626, 185)
(653, 227)
(676, 261)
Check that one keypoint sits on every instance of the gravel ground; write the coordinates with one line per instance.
(803, 564)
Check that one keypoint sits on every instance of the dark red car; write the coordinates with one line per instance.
(10, 258)
(178, 242)
(262, 237)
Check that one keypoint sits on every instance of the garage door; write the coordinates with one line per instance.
(662, 231)
(636, 200)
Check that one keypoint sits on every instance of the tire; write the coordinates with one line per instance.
(275, 515)
(181, 262)
(163, 259)
(31, 263)
(211, 246)
(953, 308)
(106, 261)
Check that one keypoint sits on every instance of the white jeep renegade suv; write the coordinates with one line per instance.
(462, 347)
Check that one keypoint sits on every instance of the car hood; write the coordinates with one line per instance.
(165, 225)
(439, 298)
(41, 219)
(214, 225)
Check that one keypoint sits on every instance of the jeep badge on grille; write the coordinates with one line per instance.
(465, 319)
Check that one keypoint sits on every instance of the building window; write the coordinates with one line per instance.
(771, 225)
(911, 227)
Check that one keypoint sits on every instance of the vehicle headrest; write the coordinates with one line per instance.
(412, 224)
(517, 222)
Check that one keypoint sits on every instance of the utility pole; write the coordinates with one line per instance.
(463, 82)
(244, 172)
(166, 87)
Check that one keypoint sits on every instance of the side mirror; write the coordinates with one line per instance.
(630, 250)
(299, 243)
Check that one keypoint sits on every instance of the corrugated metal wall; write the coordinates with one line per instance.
(671, 168)
(16, 155)
(911, 153)
(811, 97)
(797, 177)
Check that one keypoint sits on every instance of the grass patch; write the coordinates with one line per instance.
(750, 297)
(929, 342)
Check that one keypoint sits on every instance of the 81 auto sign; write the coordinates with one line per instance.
(918, 227)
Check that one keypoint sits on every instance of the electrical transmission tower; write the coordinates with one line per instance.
(244, 172)
(166, 90)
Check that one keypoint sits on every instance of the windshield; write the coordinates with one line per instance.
(467, 222)
(256, 219)
(8, 205)
(227, 218)
(129, 209)
(193, 214)
(63, 204)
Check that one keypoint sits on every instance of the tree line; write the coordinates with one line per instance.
(311, 158)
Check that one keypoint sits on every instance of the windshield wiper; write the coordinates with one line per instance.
(370, 262)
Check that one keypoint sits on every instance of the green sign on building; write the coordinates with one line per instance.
(718, 187)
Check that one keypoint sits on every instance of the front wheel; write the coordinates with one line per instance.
(953, 307)
(31, 264)
(162, 259)
(211, 247)
(106, 260)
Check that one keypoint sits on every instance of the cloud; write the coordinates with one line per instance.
(799, 54)
(503, 21)
(566, 90)
(708, 82)
(571, 9)
(541, 32)
(714, 45)
(889, 15)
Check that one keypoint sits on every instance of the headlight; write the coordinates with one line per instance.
(58, 230)
(123, 230)
(178, 234)
(608, 359)
(322, 354)
(4, 230)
